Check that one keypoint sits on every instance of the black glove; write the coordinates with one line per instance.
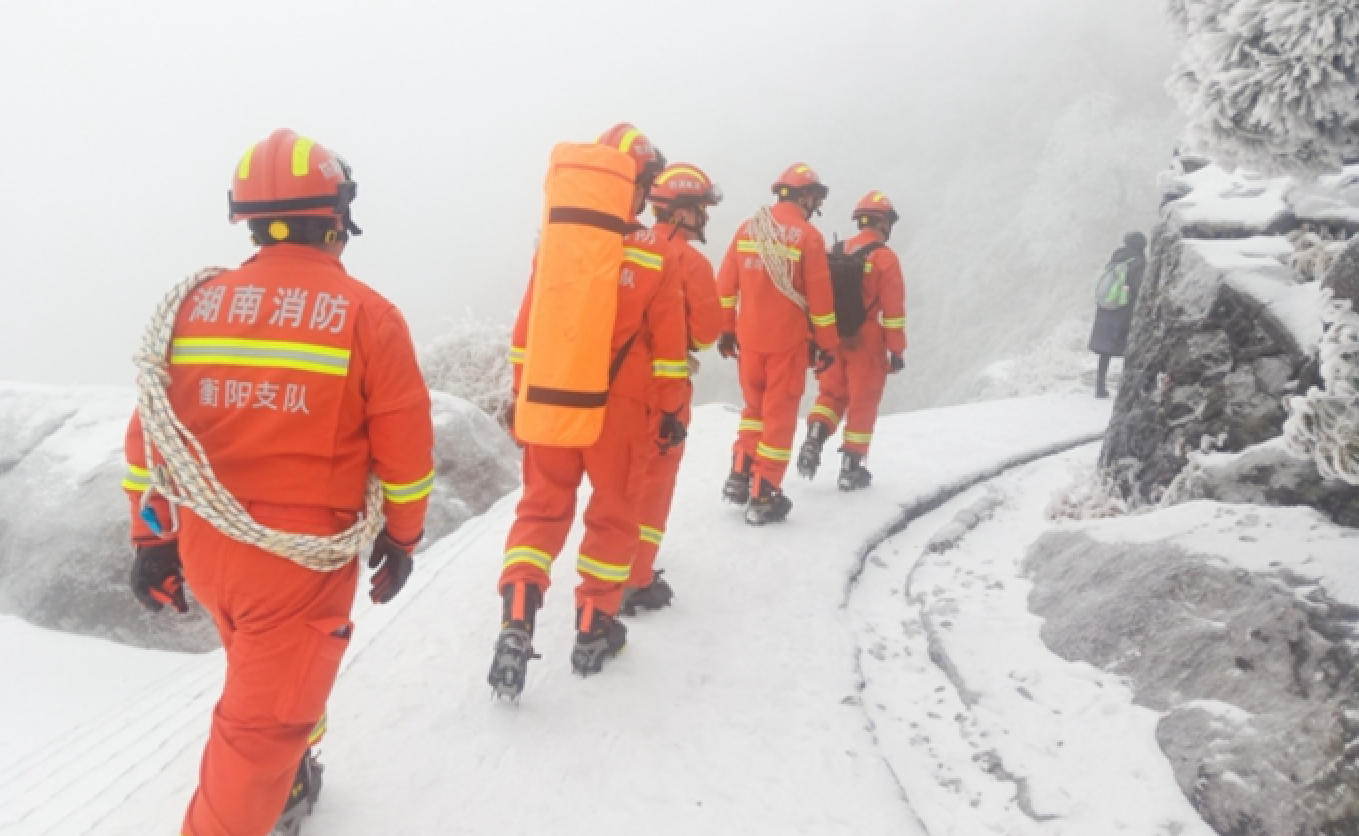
(727, 347)
(671, 433)
(895, 362)
(818, 358)
(396, 564)
(158, 577)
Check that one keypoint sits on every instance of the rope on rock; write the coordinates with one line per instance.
(1324, 425)
(778, 261)
(184, 476)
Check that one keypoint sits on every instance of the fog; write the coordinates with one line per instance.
(989, 122)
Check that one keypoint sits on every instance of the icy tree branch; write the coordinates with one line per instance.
(1271, 85)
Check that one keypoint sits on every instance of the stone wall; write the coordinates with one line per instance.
(1223, 333)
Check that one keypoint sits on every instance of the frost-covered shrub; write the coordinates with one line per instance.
(472, 362)
(1314, 252)
(1269, 84)
(1092, 494)
(1324, 425)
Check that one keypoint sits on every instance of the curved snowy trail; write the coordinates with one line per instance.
(735, 711)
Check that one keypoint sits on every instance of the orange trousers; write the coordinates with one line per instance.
(654, 500)
(615, 465)
(772, 385)
(285, 629)
(852, 389)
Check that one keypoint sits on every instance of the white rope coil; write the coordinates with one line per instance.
(773, 250)
(1324, 425)
(185, 477)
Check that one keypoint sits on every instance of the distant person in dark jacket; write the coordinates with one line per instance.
(1116, 297)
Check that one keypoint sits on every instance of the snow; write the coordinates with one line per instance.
(1252, 537)
(1218, 197)
(735, 711)
(1257, 267)
(988, 730)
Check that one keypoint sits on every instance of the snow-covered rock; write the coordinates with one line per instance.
(64, 529)
(1226, 328)
(1241, 624)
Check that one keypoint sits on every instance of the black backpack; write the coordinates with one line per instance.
(847, 279)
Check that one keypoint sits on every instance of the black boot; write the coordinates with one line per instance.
(737, 488)
(653, 596)
(514, 646)
(770, 506)
(853, 474)
(301, 798)
(809, 458)
(598, 637)
(1101, 376)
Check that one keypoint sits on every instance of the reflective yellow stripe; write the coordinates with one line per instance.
(629, 138)
(774, 454)
(868, 267)
(825, 320)
(654, 536)
(243, 170)
(302, 156)
(517, 355)
(745, 245)
(319, 731)
(272, 354)
(858, 438)
(410, 492)
(827, 413)
(607, 572)
(698, 346)
(751, 425)
(531, 556)
(137, 478)
(728, 302)
(643, 258)
(677, 170)
(675, 369)
(894, 322)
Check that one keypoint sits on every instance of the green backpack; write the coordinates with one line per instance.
(1111, 293)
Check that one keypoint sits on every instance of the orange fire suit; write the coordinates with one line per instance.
(857, 379)
(299, 381)
(773, 334)
(703, 319)
(648, 330)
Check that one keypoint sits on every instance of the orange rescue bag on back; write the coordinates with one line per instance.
(568, 355)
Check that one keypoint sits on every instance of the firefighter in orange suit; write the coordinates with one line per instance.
(299, 382)
(778, 307)
(680, 198)
(649, 354)
(852, 388)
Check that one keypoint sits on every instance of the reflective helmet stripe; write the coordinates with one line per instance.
(302, 156)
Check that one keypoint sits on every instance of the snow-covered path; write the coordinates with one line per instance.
(735, 711)
(988, 730)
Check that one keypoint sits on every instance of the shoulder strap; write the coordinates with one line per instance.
(868, 249)
(617, 365)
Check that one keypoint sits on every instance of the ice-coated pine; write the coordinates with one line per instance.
(1271, 85)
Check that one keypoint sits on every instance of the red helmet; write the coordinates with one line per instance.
(876, 204)
(288, 176)
(799, 179)
(634, 143)
(684, 184)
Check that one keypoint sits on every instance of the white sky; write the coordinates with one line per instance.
(120, 124)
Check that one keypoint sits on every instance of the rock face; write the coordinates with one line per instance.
(1223, 330)
(1259, 684)
(64, 529)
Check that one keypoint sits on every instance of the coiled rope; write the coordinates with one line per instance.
(184, 476)
(767, 235)
(1324, 425)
